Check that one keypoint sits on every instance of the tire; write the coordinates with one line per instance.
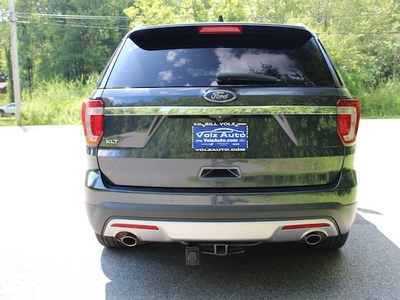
(109, 242)
(333, 243)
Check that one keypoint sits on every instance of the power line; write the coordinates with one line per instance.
(72, 17)
(74, 25)
(65, 21)
(89, 17)
(127, 28)
(26, 18)
(363, 33)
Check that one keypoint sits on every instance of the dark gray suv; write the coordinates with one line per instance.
(220, 136)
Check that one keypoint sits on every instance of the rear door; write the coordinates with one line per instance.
(220, 107)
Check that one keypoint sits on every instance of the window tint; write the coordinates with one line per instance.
(136, 67)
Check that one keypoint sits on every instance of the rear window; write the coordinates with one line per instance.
(199, 67)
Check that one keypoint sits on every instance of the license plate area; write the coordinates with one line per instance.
(220, 136)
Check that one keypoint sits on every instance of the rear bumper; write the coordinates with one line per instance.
(172, 231)
(197, 223)
(188, 217)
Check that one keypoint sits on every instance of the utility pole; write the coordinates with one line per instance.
(14, 63)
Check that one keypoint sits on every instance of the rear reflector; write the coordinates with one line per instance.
(305, 226)
(348, 119)
(93, 121)
(221, 29)
(135, 226)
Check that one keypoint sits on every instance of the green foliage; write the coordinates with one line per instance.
(56, 102)
(363, 38)
(10, 80)
(68, 39)
(383, 102)
(75, 44)
(3, 99)
(153, 12)
(4, 41)
(10, 121)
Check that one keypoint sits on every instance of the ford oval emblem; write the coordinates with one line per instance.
(219, 96)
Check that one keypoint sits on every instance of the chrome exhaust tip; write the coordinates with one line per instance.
(314, 238)
(127, 239)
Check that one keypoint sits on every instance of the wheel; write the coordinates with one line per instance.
(333, 242)
(109, 242)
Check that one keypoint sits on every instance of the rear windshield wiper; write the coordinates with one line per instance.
(225, 78)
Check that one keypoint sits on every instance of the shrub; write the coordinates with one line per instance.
(56, 102)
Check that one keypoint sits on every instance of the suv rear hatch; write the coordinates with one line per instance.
(221, 106)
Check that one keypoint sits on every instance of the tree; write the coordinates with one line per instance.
(5, 49)
(73, 38)
(69, 38)
(363, 39)
(5, 39)
(152, 12)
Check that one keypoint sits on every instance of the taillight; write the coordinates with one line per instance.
(93, 121)
(220, 29)
(348, 119)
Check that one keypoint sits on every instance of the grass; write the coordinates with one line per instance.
(56, 102)
(52, 103)
(382, 103)
(7, 121)
(59, 102)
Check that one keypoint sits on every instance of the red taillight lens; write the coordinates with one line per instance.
(221, 29)
(93, 121)
(348, 119)
(305, 226)
(135, 226)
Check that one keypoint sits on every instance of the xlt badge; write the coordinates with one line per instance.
(111, 141)
(219, 96)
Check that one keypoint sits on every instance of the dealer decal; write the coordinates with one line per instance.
(222, 136)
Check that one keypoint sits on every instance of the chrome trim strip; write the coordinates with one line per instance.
(215, 110)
